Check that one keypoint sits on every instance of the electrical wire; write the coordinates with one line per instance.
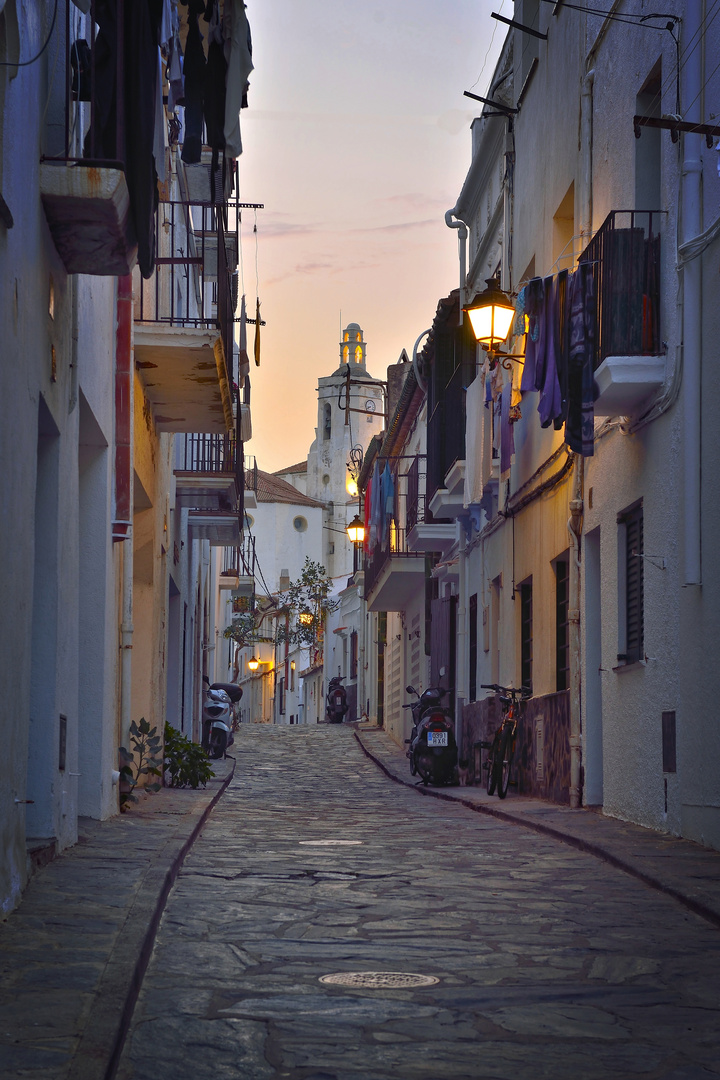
(26, 63)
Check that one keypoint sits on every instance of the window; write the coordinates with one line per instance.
(631, 628)
(299, 524)
(281, 696)
(562, 625)
(526, 634)
(473, 640)
(649, 146)
(327, 421)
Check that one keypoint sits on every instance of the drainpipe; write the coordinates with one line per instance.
(461, 691)
(73, 281)
(462, 245)
(122, 523)
(586, 152)
(691, 200)
(574, 639)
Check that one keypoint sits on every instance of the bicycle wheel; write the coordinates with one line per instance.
(505, 756)
(491, 766)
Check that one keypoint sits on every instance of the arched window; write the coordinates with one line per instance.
(327, 421)
(358, 354)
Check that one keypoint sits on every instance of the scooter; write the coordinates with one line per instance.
(218, 719)
(433, 751)
(336, 702)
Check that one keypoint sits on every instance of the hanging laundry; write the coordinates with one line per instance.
(159, 142)
(582, 390)
(367, 514)
(534, 309)
(562, 350)
(546, 378)
(257, 334)
(176, 81)
(474, 441)
(238, 53)
(387, 504)
(194, 76)
(375, 506)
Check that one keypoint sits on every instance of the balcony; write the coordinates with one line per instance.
(423, 532)
(630, 362)
(393, 574)
(184, 319)
(94, 178)
(220, 527)
(206, 474)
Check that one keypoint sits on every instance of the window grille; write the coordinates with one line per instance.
(526, 634)
(562, 627)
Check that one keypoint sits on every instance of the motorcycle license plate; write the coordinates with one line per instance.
(437, 738)
(338, 699)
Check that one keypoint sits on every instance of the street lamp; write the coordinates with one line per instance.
(356, 530)
(253, 663)
(491, 314)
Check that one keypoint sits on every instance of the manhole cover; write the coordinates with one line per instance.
(328, 843)
(379, 979)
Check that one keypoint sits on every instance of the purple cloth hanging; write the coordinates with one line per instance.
(550, 403)
(582, 391)
(534, 304)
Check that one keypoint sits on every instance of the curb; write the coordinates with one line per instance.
(91, 1060)
(586, 846)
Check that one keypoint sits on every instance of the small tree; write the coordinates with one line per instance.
(307, 604)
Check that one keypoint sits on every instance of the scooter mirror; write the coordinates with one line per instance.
(410, 690)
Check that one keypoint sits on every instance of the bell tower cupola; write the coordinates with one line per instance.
(352, 346)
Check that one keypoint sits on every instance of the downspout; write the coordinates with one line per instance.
(586, 152)
(461, 691)
(74, 319)
(574, 638)
(692, 297)
(122, 517)
(576, 503)
(462, 248)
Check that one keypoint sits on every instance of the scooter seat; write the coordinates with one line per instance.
(233, 691)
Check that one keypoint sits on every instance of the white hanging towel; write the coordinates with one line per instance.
(474, 440)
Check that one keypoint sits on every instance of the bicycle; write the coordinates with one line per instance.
(502, 748)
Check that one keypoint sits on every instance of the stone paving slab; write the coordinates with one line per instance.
(688, 872)
(72, 955)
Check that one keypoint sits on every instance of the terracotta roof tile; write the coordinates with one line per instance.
(271, 488)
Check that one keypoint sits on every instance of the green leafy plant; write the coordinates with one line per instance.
(144, 759)
(307, 605)
(187, 763)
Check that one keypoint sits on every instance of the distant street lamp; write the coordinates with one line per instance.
(253, 663)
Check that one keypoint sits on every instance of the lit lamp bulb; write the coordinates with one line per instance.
(253, 663)
(352, 488)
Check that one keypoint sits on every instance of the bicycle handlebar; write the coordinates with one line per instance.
(523, 691)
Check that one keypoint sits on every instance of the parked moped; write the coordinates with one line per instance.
(433, 751)
(336, 702)
(218, 719)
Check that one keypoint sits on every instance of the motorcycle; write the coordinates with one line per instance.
(218, 718)
(433, 750)
(336, 701)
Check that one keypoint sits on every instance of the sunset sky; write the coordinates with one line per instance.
(357, 140)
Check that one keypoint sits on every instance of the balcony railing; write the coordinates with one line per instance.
(206, 453)
(395, 547)
(415, 503)
(195, 281)
(626, 254)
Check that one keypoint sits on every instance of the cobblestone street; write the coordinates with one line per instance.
(549, 963)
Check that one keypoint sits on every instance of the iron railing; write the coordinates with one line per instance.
(205, 453)
(415, 504)
(195, 281)
(625, 252)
